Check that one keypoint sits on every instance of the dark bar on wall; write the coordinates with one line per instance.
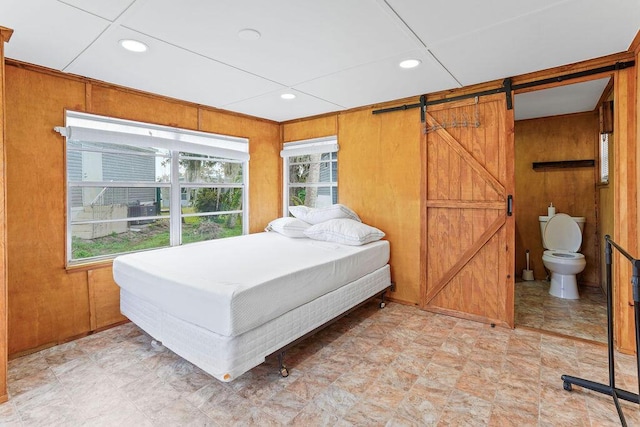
(564, 164)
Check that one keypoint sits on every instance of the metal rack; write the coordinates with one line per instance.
(611, 389)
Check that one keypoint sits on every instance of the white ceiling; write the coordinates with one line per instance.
(333, 54)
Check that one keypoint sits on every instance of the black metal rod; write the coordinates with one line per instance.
(609, 260)
(636, 311)
(399, 108)
(466, 96)
(508, 87)
(576, 75)
(611, 389)
(601, 388)
(622, 251)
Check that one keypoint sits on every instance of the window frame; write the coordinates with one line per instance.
(176, 142)
(604, 150)
(323, 145)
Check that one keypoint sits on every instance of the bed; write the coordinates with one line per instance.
(227, 304)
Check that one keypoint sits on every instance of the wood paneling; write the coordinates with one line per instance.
(572, 191)
(379, 177)
(308, 129)
(48, 304)
(116, 102)
(626, 231)
(104, 298)
(5, 35)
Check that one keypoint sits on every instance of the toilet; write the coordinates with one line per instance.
(562, 238)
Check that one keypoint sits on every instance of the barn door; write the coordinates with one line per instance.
(469, 233)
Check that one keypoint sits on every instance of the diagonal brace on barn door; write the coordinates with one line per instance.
(465, 155)
(465, 258)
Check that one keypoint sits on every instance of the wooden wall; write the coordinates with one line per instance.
(626, 203)
(5, 35)
(572, 191)
(49, 304)
(379, 177)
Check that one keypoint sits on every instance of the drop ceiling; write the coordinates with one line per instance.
(332, 54)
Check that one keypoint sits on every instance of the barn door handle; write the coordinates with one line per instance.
(509, 205)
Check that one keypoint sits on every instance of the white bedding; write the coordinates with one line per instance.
(230, 286)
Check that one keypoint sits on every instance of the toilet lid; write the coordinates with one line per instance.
(563, 233)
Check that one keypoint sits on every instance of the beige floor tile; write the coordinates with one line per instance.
(397, 367)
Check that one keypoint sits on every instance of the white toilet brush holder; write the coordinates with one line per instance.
(527, 274)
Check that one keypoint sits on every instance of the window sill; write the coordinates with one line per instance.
(76, 268)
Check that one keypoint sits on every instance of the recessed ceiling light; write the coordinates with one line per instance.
(410, 63)
(134, 45)
(287, 96)
(249, 34)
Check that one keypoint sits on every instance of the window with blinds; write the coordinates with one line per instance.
(135, 186)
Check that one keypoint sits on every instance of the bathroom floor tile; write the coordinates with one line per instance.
(584, 318)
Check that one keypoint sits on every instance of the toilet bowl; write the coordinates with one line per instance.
(562, 237)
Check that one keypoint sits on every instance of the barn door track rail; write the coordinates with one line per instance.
(507, 88)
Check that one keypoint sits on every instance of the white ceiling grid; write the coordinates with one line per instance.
(333, 54)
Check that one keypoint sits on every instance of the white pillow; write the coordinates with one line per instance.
(345, 231)
(287, 226)
(318, 215)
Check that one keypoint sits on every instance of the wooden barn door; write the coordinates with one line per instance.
(469, 235)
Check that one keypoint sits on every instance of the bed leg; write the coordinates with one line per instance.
(382, 303)
(284, 371)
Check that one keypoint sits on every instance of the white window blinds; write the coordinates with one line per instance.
(310, 146)
(93, 128)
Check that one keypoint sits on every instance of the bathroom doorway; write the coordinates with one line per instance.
(558, 159)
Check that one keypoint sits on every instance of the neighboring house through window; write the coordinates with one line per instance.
(310, 173)
(133, 186)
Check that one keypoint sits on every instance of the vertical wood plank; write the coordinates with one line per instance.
(625, 203)
(5, 35)
(91, 285)
(105, 295)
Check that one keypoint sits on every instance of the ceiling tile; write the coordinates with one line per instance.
(167, 70)
(542, 40)
(381, 81)
(105, 9)
(300, 40)
(437, 21)
(566, 99)
(48, 33)
(271, 106)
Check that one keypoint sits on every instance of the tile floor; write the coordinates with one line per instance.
(398, 366)
(583, 318)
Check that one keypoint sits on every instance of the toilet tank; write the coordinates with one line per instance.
(580, 220)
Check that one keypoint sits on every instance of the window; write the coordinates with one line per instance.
(604, 158)
(310, 173)
(133, 186)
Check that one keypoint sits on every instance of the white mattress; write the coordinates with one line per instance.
(230, 286)
(226, 358)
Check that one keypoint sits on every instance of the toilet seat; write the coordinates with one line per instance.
(562, 234)
(562, 256)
